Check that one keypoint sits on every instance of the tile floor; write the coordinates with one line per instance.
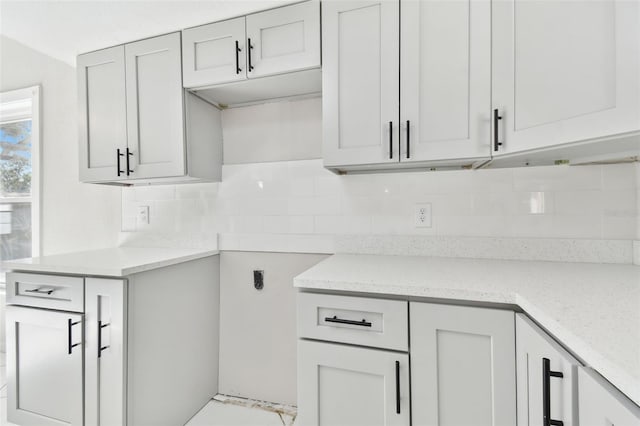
(220, 411)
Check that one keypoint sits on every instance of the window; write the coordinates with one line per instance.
(19, 175)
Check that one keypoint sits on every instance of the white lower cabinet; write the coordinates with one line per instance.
(462, 365)
(351, 386)
(600, 404)
(105, 349)
(547, 378)
(44, 367)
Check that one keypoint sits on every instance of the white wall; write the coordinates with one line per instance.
(74, 216)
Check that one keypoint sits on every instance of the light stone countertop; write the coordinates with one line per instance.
(110, 262)
(593, 309)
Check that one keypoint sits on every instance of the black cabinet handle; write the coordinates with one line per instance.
(391, 140)
(363, 323)
(496, 117)
(100, 347)
(547, 374)
(70, 344)
(238, 50)
(397, 387)
(408, 139)
(118, 157)
(40, 291)
(250, 48)
(129, 154)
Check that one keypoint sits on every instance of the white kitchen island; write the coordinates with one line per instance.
(127, 336)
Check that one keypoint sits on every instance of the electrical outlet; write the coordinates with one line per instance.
(422, 215)
(143, 215)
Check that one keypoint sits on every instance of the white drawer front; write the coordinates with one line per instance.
(354, 320)
(46, 291)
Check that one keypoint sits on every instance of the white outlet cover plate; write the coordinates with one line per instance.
(422, 215)
(143, 215)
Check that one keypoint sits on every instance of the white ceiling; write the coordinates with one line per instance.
(63, 29)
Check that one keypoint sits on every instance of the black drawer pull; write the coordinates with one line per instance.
(100, 347)
(129, 154)
(363, 323)
(547, 374)
(391, 140)
(397, 387)
(496, 138)
(238, 50)
(40, 291)
(118, 157)
(249, 49)
(70, 344)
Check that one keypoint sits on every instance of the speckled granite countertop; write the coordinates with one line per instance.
(111, 262)
(593, 309)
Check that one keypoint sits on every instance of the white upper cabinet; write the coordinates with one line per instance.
(155, 116)
(272, 42)
(284, 39)
(137, 124)
(546, 377)
(445, 75)
(102, 109)
(564, 71)
(214, 53)
(360, 83)
(462, 366)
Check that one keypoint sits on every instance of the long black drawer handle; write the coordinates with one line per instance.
(129, 154)
(397, 387)
(547, 374)
(238, 50)
(100, 347)
(408, 139)
(249, 49)
(118, 156)
(391, 140)
(40, 291)
(363, 323)
(496, 138)
(70, 344)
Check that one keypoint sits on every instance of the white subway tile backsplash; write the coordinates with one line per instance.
(302, 198)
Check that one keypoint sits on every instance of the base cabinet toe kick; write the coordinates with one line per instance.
(94, 350)
(373, 361)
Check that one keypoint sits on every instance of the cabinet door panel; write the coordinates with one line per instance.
(44, 380)
(603, 405)
(102, 113)
(209, 53)
(532, 345)
(346, 385)
(105, 392)
(575, 80)
(462, 366)
(360, 82)
(155, 113)
(446, 79)
(284, 39)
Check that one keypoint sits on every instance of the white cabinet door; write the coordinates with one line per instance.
(44, 367)
(155, 108)
(603, 405)
(564, 71)
(360, 82)
(283, 39)
(214, 53)
(445, 80)
(351, 386)
(462, 366)
(538, 387)
(102, 114)
(105, 349)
